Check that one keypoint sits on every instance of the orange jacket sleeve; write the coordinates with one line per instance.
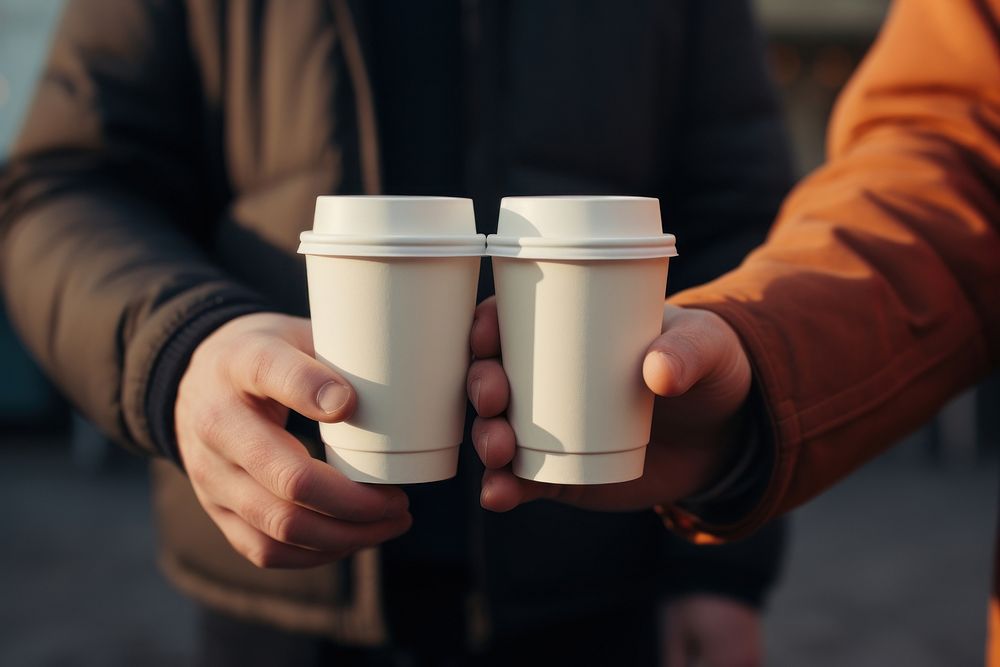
(877, 294)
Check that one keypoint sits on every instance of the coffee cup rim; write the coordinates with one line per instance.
(433, 245)
(596, 248)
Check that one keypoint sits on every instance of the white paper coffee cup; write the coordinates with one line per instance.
(580, 283)
(392, 292)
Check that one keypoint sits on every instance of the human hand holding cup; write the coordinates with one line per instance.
(586, 342)
(701, 377)
(276, 505)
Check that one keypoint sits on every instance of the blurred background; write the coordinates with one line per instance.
(891, 567)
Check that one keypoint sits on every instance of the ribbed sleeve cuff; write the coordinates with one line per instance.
(743, 482)
(172, 362)
(740, 491)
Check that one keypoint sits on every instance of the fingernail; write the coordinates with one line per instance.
(486, 447)
(332, 396)
(484, 496)
(475, 393)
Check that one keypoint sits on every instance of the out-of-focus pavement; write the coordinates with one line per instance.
(890, 568)
(77, 567)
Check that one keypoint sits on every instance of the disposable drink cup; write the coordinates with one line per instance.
(392, 291)
(580, 283)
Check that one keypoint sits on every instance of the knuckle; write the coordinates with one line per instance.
(293, 481)
(283, 523)
(255, 512)
(690, 341)
(260, 368)
(198, 472)
(256, 458)
(210, 422)
(297, 379)
(257, 358)
(694, 334)
(263, 554)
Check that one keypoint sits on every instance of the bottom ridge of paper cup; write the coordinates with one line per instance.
(394, 467)
(565, 468)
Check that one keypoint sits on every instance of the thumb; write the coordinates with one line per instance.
(270, 367)
(689, 350)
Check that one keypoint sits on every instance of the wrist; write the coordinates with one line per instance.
(736, 460)
(173, 359)
(738, 486)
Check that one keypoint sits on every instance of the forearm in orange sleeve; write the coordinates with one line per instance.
(877, 294)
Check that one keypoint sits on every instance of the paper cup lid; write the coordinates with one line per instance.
(383, 226)
(580, 227)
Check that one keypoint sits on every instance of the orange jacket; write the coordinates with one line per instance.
(877, 294)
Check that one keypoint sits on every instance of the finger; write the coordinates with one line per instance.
(299, 526)
(485, 335)
(281, 464)
(688, 350)
(494, 441)
(487, 387)
(284, 521)
(269, 367)
(265, 552)
(502, 491)
(665, 469)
